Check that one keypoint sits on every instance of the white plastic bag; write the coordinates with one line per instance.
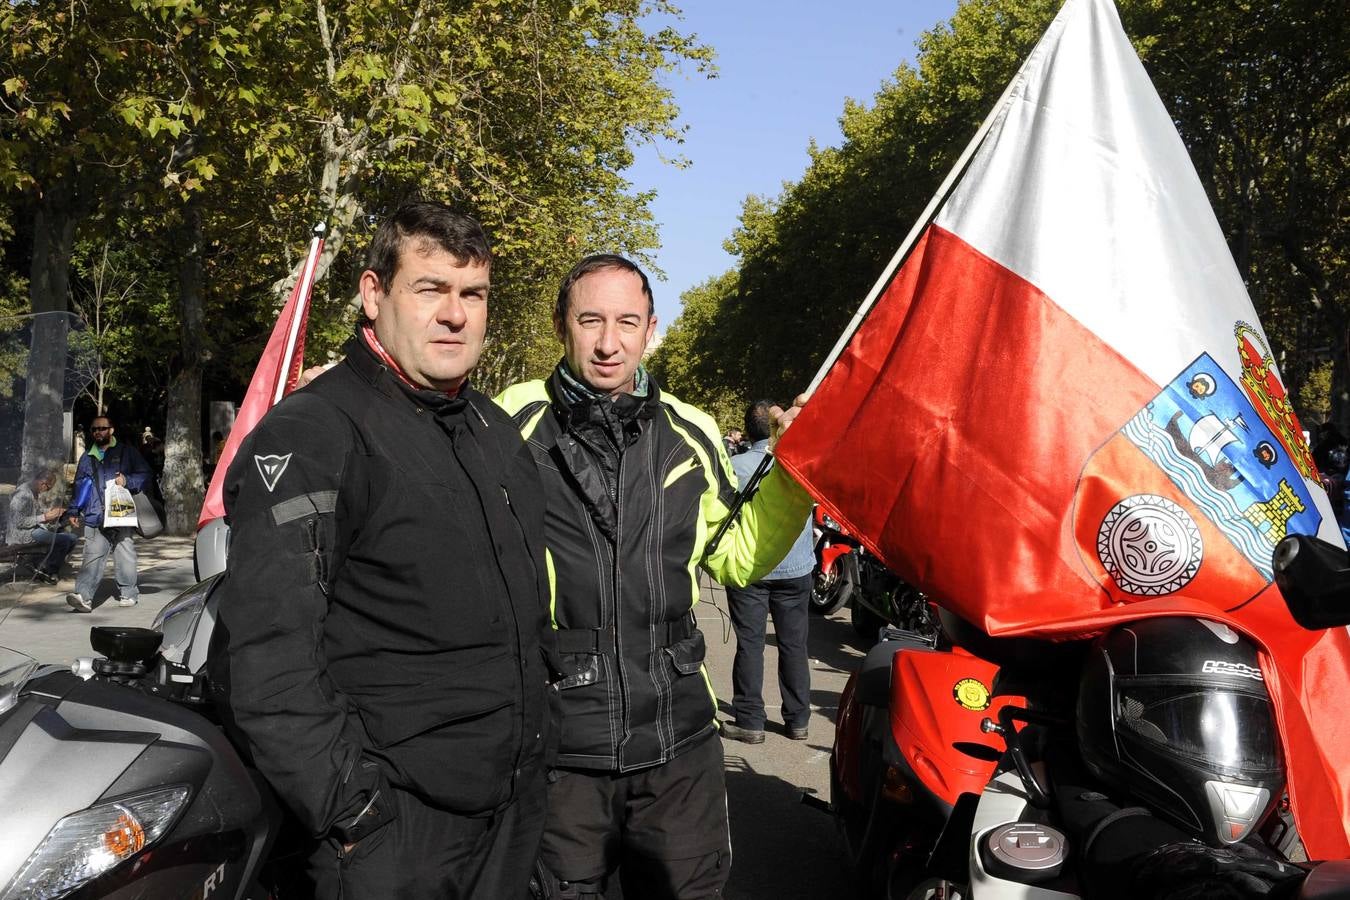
(119, 510)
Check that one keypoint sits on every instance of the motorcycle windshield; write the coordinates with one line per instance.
(1228, 730)
(15, 668)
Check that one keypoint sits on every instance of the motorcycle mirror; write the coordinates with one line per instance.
(1314, 577)
(125, 645)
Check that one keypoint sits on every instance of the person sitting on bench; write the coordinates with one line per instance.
(29, 523)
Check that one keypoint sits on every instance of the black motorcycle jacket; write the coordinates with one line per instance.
(635, 488)
(384, 614)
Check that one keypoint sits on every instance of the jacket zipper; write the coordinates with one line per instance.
(618, 620)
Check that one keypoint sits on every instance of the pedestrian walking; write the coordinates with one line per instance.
(106, 461)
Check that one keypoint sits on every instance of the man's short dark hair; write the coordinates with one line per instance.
(595, 263)
(758, 420)
(428, 223)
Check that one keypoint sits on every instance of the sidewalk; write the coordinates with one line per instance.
(34, 618)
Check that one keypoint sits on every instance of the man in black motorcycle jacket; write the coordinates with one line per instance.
(636, 482)
(384, 616)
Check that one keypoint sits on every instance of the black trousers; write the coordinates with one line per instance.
(436, 854)
(787, 601)
(664, 829)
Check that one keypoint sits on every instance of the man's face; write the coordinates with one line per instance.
(101, 431)
(433, 318)
(43, 483)
(606, 329)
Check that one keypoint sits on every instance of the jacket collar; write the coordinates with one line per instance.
(99, 453)
(375, 372)
(624, 408)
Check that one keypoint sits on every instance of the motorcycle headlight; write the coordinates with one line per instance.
(86, 844)
(830, 523)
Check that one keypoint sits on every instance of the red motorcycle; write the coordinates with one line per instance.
(1144, 763)
(835, 578)
(847, 573)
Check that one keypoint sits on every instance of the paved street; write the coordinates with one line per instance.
(782, 848)
(36, 620)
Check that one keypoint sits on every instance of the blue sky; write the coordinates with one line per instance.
(784, 69)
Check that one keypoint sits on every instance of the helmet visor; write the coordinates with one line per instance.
(1228, 729)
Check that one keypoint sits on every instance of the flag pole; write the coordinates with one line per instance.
(303, 288)
(929, 212)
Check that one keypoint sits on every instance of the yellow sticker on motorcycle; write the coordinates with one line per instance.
(971, 694)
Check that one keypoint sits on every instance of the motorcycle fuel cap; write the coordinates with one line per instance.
(1025, 850)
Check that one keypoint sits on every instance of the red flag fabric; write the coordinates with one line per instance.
(275, 376)
(1062, 412)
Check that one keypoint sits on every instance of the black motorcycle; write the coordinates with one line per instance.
(118, 781)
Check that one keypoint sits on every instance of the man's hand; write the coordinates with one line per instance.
(783, 418)
(121, 480)
(311, 373)
(53, 514)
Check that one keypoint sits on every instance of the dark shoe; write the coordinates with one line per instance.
(733, 732)
(797, 734)
(45, 577)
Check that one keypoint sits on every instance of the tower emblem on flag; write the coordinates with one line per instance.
(1149, 545)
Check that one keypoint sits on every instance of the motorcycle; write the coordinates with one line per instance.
(117, 778)
(966, 766)
(846, 573)
(835, 577)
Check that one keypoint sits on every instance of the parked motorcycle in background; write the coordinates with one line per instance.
(847, 573)
(835, 578)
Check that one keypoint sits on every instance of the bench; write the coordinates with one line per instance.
(22, 557)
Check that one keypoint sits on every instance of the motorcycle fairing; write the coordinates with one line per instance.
(936, 709)
(829, 555)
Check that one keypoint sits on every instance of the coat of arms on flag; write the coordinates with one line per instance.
(1211, 490)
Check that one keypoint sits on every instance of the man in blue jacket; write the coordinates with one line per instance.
(107, 460)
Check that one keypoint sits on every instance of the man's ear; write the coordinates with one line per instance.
(558, 329)
(651, 330)
(371, 294)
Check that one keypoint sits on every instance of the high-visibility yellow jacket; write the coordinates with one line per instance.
(635, 488)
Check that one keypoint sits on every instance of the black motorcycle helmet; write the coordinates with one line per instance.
(1174, 712)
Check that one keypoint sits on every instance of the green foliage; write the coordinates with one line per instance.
(1314, 395)
(696, 366)
(260, 118)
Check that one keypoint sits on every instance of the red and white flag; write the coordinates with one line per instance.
(276, 375)
(1062, 411)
